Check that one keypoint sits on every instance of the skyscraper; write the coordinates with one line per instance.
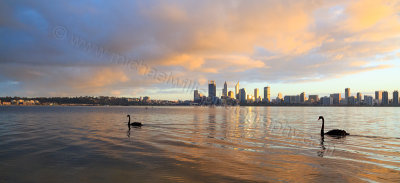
(302, 97)
(359, 98)
(378, 96)
(196, 95)
(267, 94)
(225, 90)
(256, 93)
(347, 95)
(396, 97)
(242, 95)
(212, 89)
(237, 90)
(385, 98)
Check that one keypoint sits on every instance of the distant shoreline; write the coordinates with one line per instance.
(94, 105)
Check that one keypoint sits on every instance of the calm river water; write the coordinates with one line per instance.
(198, 144)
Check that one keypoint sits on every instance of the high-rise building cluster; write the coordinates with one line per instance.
(239, 96)
(242, 96)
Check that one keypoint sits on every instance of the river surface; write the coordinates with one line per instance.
(198, 144)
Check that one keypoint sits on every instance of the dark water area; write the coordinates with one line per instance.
(198, 144)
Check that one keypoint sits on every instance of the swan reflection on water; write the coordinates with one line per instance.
(322, 151)
(134, 124)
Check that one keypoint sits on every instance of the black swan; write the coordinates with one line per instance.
(134, 123)
(335, 132)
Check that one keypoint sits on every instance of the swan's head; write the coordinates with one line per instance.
(128, 116)
(320, 117)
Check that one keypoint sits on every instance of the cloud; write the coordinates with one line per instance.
(251, 41)
(368, 13)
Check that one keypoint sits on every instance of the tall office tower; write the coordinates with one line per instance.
(302, 97)
(212, 89)
(378, 96)
(242, 95)
(359, 98)
(336, 98)
(347, 95)
(385, 98)
(230, 94)
(196, 95)
(267, 94)
(396, 97)
(256, 93)
(237, 90)
(225, 90)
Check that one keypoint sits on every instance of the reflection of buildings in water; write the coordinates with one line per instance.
(226, 118)
(211, 121)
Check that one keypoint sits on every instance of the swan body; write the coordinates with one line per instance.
(335, 132)
(138, 124)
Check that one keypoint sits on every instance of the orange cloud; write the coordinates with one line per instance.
(101, 78)
(364, 14)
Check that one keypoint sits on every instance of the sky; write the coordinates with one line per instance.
(166, 49)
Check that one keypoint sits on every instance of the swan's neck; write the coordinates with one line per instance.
(129, 121)
(322, 128)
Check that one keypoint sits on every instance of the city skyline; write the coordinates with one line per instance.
(346, 93)
(242, 97)
(49, 50)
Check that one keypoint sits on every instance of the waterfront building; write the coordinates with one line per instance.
(296, 99)
(286, 100)
(279, 96)
(237, 90)
(146, 99)
(378, 96)
(196, 95)
(313, 99)
(6, 103)
(327, 100)
(396, 97)
(359, 98)
(242, 95)
(230, 95)
(212, 89)
(346, 95)
(336, 98)
(368, 100)
(267, 94)
(351, 100)
(250, 99)
(279, 99)
(302, 97)
(225, 90)
(256, 93)
(385, 98)
(291, 99)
